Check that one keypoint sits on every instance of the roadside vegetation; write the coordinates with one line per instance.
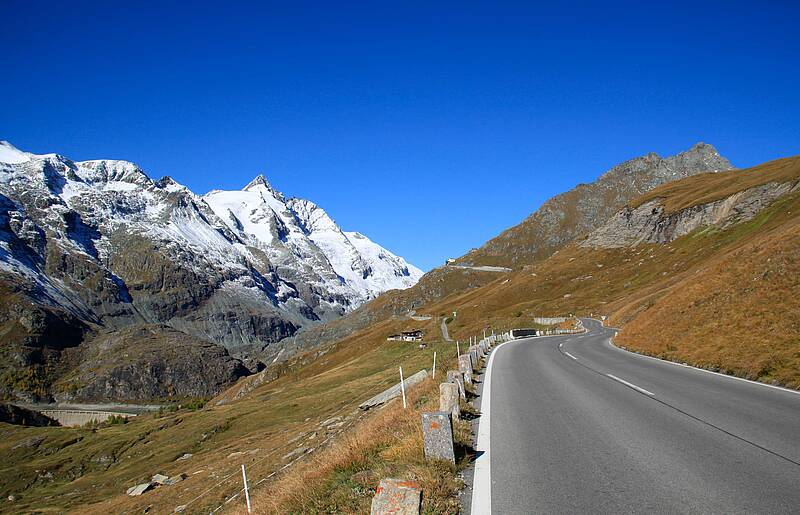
(388, 443)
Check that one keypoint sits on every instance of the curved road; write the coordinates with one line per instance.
(445, 333)
(577, 425)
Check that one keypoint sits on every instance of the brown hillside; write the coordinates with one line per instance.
(740, 314)
(710, 187)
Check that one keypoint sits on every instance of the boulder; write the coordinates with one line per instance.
(175, 479)
(465, 367)
(160, 479)
(139, 489)
(474, 356)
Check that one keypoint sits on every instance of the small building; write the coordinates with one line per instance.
(449, 261)
(407, 336)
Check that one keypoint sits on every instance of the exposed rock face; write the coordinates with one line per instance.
(584, 208)
(11, 414)
(89, 248)
(651, 223)
(149, 362)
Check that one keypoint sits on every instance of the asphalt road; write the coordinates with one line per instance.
(565, 437)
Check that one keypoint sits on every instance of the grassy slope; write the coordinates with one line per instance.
(74, 468)
(710, 187)
(342, 479)
(740, 313)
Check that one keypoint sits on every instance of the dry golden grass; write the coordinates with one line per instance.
(710, 187)
(343, 478)
(740, 314)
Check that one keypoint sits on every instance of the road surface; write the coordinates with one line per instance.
(576, 425)
(445, 333)
(482, 268)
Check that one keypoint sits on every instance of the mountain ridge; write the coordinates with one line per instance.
(570, 214)
(100, 245)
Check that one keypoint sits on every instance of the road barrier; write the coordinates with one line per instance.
(448, 399)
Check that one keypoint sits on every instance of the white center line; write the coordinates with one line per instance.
(570, 355)
(631, 385)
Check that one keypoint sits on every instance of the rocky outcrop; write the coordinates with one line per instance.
(652, 223)
(581, 210)
(11, 414)
(145, 362)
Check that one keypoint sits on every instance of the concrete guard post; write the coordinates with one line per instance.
(473, 354)
(396, 497)
(456, 377)
(465, 367)
(448, 400)
(437, 434)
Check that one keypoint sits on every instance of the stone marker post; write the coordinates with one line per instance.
(396, 497)
(448, 399)
(438, 436)
(465, 366)
(457, 378)
(473, 353)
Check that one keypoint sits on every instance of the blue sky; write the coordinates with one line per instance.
(430, 128)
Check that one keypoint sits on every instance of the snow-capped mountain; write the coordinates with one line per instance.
(99, 245)
(298, 234)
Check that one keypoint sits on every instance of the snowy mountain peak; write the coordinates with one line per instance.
(298, 231)
(261, 184)
(11, 154)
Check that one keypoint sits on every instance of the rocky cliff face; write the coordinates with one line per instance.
(584, 208)
(89, 248)
(652, 223)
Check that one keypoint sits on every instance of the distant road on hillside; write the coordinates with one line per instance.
(576, 425)
(482, 268)
(445, 332)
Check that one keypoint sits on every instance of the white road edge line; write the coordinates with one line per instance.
(630, 385)
(570, 355)
(684, 365)
(481, 503)
(482, 477)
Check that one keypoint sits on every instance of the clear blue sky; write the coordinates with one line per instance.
(428, 126)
